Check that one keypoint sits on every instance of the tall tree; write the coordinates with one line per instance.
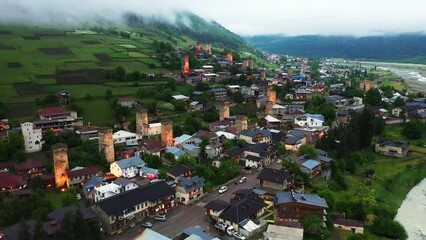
(373, 97)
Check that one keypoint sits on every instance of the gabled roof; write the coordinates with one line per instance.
(84, 172)
(130, 162)
(175, 151)
(10, 180)
(240, 210)
(274, 175)
(310, 164)
(205, 134)
(197, 233)
(114, 206)
(251, 133)
(59, 214)
(92, 182)
(253, 158)
(191, 184)
(29, 164)
(53, 111)
(234, 151)
(153, 145)
(216, 205)
(122, 181)
(314, 116)
(149, 234)
(293, 197)
(181, 169)
(324, 159)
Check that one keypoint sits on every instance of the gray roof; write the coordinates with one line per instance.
(293, 197)
(122, 181)
(252, 133)
(191, 184)
(149, 234)
(324, 159)
(130, 162)
(198, 231)
(334, 98)
(253, 158)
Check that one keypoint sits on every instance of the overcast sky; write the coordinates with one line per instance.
(249, 17)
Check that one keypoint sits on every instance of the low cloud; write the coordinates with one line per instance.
(250, 17)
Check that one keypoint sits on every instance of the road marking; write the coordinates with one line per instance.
(200, 204)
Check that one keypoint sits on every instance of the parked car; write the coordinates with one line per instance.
(223, 189)
(160, 217)
(230, 230)
(221, 226)
(238, 235)
(4, 170)
(242, 180)
(146, 224)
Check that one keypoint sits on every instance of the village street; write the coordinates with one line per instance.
(195, 214)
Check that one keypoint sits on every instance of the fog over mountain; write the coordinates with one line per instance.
(246, 18)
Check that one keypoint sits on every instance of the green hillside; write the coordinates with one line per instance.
(36, 62)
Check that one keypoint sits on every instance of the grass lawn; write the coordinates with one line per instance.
(97, 111)
(55, 197)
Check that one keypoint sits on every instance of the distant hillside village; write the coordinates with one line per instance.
(284, 127)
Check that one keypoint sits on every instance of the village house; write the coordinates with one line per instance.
(113, 188)
(189, 189)
(310, 167)
(291, 206)
(11, 182)
(276, 232)
(337, 100)
(78, 176)
(196, 106)
(276, 179)
(393, 148)
(303, 94)
(125, 137)
(354, 226)
(279, 110)
(293, 140)
(181, 171)
(57, 118)
(184, 138)
(128, 168)
(259, 135)
(180, 97)
(238, 213)
(219, 93)
(176, 152)
(30, 168)
(33, 141)
(129, 208)
(152, 129)
(89, 187)
(293, 108)
(411, 109)
(233, 88)
(88, 132)
(309, 120)
(151, 147)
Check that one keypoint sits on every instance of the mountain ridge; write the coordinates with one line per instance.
(407, 47)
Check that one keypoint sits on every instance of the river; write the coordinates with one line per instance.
(412, 213)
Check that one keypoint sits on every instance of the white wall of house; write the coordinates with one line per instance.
(106, 191)
(308, 121)
(32, 137)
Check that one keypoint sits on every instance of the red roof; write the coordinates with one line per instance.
(153, 145)
(83, 172)
(29, 164)
(125, 99)
(53, 111)
(10, 180)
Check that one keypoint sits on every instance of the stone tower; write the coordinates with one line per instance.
(241, 123)
(185, 64)
(229, 57)
(167, 133)
(223, 111)
(269, 110)
(106, 144)
(272, 95)
(208, 48)
(141, 120)
(60, 165)
(248, 63)
(263, 74)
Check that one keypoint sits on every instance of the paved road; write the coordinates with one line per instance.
(187, 216)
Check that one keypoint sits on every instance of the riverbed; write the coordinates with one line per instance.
(412, 213)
